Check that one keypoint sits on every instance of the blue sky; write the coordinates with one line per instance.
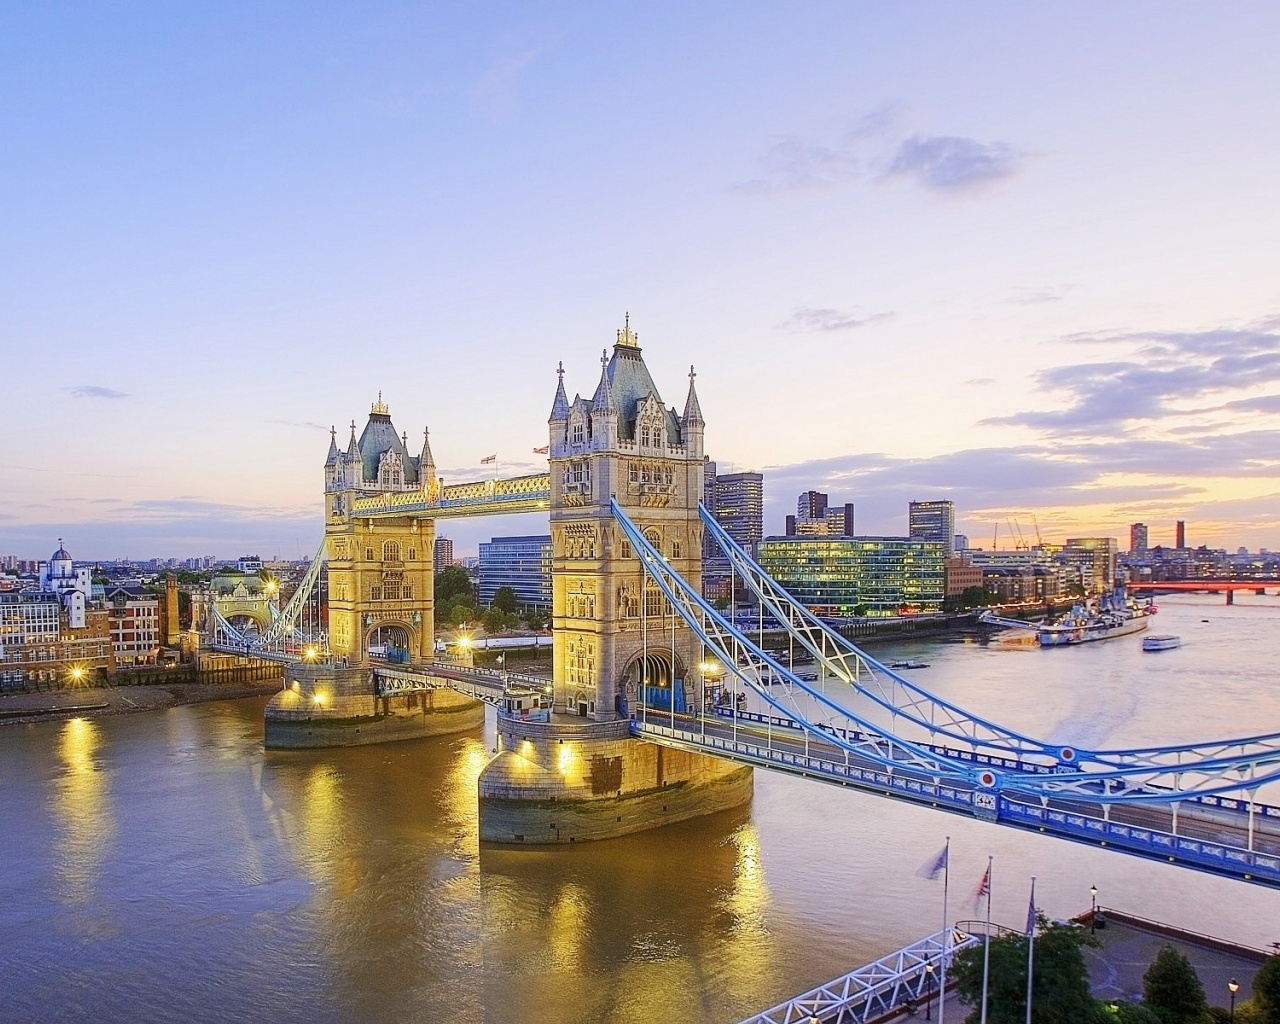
(1021, 256)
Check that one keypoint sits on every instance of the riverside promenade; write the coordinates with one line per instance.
(900, 986)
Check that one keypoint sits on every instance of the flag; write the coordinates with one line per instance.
(543, 450)
(984, 887)
(1031, 909)
(488, 458)
(935, 865)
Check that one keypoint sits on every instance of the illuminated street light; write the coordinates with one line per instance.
(1233, 987)
(1093, 916)
(309, 654)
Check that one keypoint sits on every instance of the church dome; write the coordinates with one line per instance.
(60, 555)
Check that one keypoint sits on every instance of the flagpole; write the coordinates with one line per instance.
(1031, 943)
(986, 947)
(946, 934)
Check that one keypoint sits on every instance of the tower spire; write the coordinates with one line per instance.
(692, 410)
(627, 338)
(560, 407)
(602, 401)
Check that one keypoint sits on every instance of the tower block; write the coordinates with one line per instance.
(617, 640)
(381, 604)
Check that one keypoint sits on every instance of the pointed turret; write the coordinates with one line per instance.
(602, 400)
(692, 410)
(560, 407)
(604, 411)
(427, 465)
(692, 425)
(332, 459)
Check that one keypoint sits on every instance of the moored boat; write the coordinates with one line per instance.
(1113, 615)
(1161, 642)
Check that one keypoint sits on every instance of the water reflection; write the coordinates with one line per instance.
(82, 813)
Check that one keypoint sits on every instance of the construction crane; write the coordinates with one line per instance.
(1036, 524)
(995, 539)
(1015, 531)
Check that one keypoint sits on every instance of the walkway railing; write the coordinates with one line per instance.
(876, 989)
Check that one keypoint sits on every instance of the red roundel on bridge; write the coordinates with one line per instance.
(987, 779)
(1067, 754)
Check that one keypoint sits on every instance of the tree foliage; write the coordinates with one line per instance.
(505, 600)
(1060, 979)
(1173, 990)
(1266, 991)
(452, 581)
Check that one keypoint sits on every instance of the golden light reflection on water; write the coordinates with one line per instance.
(81, 809)
(319, 823)
(748, 897)
(460, 806)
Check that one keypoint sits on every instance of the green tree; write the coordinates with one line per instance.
(1060, 989)
(1266, 991)
(453, 581)
(505, 600)
(494, 620)
(1173, 990)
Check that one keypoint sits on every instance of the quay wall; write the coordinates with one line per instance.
(327, 706)
(569, 782)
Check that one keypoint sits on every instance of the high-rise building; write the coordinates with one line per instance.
(935, 521)
(521, 563)
(739, 507)
(443, 553)
(1093, 559)
(1181, 534)
(811, 505)
(816, 517)
(1138, 539)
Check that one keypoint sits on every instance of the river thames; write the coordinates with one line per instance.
(163, 867)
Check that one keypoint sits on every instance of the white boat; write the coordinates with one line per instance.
(1161, 642)
(1113, 615)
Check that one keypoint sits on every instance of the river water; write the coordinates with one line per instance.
(163, 867)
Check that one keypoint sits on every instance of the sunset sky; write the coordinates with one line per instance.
(1022, 256)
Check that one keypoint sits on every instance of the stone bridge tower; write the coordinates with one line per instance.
(612, 628)
(381, 585)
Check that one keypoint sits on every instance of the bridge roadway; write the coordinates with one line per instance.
(1213, 834)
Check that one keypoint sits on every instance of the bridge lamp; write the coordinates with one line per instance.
(1093, 916)
(1233, 987)
(319, 700)
(928, 977)
(309, 654)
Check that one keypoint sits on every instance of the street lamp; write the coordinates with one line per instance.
(1093, 916)
(928, 989)
(1233, 987)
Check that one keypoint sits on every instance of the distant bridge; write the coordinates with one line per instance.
(1209, 586)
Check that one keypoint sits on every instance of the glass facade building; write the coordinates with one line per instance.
(935, 521)
(521, 563)
(835, 575)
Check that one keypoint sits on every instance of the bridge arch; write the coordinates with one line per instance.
(390, 641)
(650, 680)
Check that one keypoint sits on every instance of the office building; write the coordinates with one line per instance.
(1181, 535)
(1138, 539)
(877, 576)
(1092, 561)
(521, 563)
(737, 502)
(934, 521)
(442, 553)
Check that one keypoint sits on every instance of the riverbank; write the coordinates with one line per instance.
(25, 708)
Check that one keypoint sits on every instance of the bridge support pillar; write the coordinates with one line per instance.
(1231, 597)
(329, 706)
(581, 781)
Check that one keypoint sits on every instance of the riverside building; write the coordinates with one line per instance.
(875, 576)
(521, 563)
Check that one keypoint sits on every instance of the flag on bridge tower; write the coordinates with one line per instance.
(545, 449)
(489, 458)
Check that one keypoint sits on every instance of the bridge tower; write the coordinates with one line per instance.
(381, 584)
(581, 776)
(381, 602)
(614, 631)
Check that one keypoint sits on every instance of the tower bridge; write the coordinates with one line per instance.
(620, 743)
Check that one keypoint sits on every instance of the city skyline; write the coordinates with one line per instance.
(969, 257)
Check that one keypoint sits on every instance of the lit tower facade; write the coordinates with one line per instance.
(612, 628)
(381, 591)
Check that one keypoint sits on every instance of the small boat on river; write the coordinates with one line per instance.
(1161, 642)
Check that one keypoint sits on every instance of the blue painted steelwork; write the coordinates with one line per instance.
(1129, 784)
(942, 721)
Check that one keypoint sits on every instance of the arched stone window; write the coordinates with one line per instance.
(391, 551)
